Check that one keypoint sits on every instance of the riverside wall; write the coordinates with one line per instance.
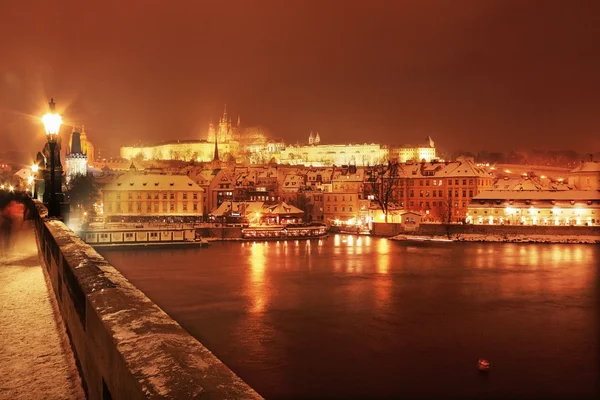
(126, 347)
(428, 229)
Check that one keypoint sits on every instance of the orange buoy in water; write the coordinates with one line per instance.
(483, 364)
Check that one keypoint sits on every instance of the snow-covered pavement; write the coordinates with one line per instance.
(36, 361)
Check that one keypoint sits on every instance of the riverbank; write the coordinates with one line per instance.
(502, 238)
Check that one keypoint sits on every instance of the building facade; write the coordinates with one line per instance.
(316, 154)
(149, 195)
(535, 207)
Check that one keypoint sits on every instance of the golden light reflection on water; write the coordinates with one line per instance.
(383, 256)
(532, 269)
(257, 287)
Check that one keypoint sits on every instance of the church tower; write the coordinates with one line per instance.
(317, 138)
(430, 141)
(87, 147)
(212, 133)
(224, 126)
(76, 159)
(311, 139)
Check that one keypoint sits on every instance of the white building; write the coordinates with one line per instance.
(317, 154)
(535, 207)
(416, 153)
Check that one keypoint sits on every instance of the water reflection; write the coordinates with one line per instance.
(383, 256)
(305, 325)
(257, 288)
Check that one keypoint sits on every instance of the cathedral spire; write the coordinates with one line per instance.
(216, 156)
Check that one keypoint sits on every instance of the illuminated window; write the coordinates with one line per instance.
(184, 196)
(172, 196)
(130, 195)
(171, 207)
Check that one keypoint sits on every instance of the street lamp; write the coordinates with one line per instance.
(52, 122)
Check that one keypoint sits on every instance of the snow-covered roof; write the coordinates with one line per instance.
(249, 207)
(150, 182)
(588, 166)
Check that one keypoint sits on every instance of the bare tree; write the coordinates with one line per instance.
(383, 180)
(304, 203)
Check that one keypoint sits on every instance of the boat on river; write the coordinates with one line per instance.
(284, 232)
(143, 236)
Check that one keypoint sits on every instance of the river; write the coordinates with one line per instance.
(362, 317)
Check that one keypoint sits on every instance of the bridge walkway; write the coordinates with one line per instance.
(36, 361)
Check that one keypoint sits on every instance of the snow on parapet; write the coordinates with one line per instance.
(153, 349)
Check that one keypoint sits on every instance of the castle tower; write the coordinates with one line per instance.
(317, 138)
(311, 138)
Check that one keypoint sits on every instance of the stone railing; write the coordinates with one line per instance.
(126, 347)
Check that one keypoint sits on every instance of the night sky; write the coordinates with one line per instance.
(480, 74)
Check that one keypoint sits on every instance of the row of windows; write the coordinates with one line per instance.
(154, 195)
(342, 208)
(166, 207)
(438, 193)
(439, 182)
(426, 204)
(335, 198)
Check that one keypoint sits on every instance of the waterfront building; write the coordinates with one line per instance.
(441, 192)
(341, 197)
(76, 159)
(260, 213)
(535, 207)
(150, 195)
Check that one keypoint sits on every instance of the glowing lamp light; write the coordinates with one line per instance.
(52, 123)
(29, 180)
(11, 188)
(35, 168)
(382, 217)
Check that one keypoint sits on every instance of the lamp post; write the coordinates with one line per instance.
(52, 123)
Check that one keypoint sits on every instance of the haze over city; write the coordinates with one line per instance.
(495, 75)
